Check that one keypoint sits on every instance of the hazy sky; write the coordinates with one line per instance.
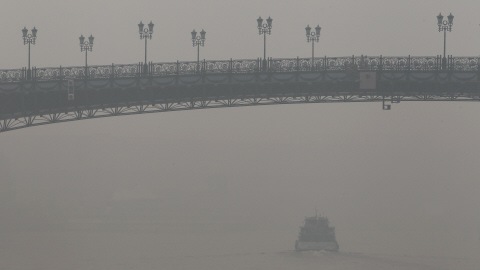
(371, 27)
(413, 169)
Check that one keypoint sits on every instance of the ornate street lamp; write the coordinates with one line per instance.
(264, 29)
(198, 41)
(313, 37)
(86, 46)
(29, 39)
(145, 33)
(444, 25)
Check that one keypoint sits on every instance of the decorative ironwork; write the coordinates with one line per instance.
(115, 90)
(324, 64)
(465, 64)
(142, 108)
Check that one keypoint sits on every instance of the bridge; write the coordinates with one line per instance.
(53, 95)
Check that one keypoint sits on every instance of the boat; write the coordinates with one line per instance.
(316, 234)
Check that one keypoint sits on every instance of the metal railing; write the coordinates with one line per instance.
(370, 63)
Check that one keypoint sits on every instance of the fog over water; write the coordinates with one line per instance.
(229, 188)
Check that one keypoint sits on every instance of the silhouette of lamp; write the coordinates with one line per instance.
(198, 41)
(145, 33)
(86, 45)
(264, 29)
(29, 39)
(444, 25)
(313, 37)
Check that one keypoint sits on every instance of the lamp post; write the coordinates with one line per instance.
(86, 46)
(264, 29)
(145, 33)
(198, 41)
(29, 39)
(444, 25)
(313, 37)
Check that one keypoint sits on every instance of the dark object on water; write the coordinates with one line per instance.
(316, 234)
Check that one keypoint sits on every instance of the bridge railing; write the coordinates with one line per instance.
(372, 63)
(465, 63)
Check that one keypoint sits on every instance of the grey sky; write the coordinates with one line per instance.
(407, 170)
(370, 27)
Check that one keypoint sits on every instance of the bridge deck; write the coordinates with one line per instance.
(58, 98)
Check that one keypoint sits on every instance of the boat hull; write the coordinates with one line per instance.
(304, 246)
